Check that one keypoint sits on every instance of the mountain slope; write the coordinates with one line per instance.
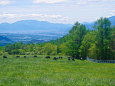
(112, 19)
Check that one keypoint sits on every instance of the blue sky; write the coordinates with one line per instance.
(56, 11)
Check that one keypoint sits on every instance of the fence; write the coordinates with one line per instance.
(101, 61)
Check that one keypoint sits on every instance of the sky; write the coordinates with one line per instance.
(56, 11)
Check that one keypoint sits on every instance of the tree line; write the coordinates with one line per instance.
(80, 42)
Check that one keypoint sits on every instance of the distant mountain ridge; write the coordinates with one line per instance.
(33, 26)
(90, 25)
(112, 19)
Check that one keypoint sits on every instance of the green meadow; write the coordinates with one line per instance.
(40, 71)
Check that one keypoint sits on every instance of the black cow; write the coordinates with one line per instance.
(17, 56)
(48, 57)
(69, 58)
(73, 59)
(35, 56)
(24, 56)
(4, 56)
(60, 57)
(55, 58)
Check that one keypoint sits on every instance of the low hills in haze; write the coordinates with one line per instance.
(4, 40)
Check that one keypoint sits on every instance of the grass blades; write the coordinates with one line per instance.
(40, 71)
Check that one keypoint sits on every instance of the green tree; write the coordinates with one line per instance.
(88, 42)
(103, 26)
(113, 43)
(76, 35)
(49, 49)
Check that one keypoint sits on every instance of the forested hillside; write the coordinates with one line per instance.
(98, 43)
(4, 40)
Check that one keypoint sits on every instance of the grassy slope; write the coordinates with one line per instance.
(47, 72)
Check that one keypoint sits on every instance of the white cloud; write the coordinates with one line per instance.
(49, 1)
(6, 17)
(45, 16)
(84, 2)
(112, 13)
(100, 0)
(5, 2)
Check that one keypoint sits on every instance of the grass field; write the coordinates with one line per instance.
(40, 71)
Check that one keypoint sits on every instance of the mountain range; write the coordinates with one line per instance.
(29, 26)
(90, 25)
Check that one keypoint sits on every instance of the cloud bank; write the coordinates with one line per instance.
(40, 17)
(57, 11)
(5, 2)
(49, 1)
(79, 2)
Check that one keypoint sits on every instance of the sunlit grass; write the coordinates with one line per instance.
(40, 71)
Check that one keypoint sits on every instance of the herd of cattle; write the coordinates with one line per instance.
(48, 57)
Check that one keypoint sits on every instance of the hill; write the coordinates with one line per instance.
(4, 40)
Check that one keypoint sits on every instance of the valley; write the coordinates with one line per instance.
(39, 37)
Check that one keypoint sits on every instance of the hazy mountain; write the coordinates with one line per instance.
(112, 19)
(90, 25)
(33, 26)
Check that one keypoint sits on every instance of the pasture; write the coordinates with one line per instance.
(40, 71)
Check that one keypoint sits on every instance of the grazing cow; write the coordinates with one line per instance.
(48, 57)
(69, 58)
(55, 58)
(35, 56)
(24, 56)
(60, 57)
(4, 56)
(17, 56)
(73, 59)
